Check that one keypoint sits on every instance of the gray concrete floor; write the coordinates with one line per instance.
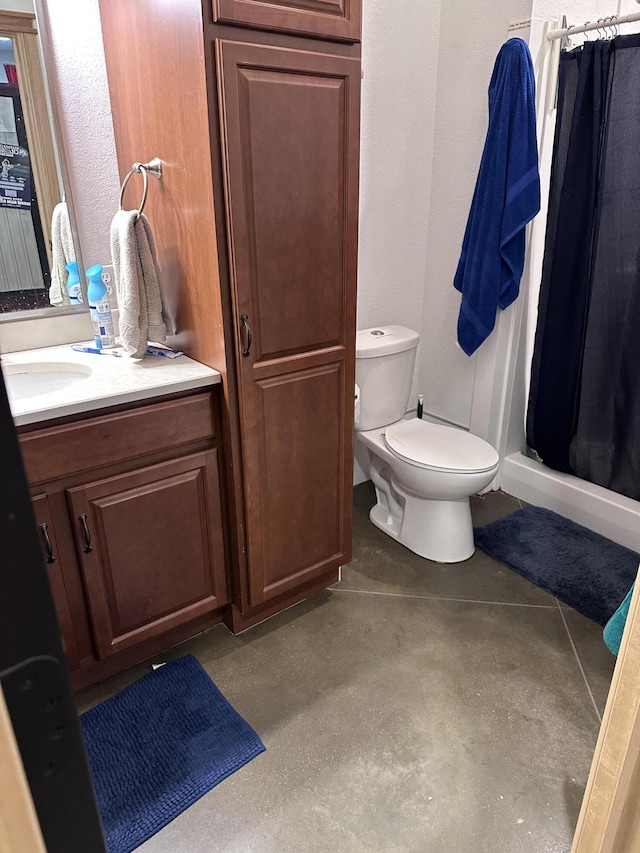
(413, 707)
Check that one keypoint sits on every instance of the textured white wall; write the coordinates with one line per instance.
(83, 96)
(578, 11)
(470, 38)
(400, 51)
(627, 7)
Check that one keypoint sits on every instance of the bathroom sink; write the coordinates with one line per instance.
(33, 379)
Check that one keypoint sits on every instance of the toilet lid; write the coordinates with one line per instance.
(443, 448)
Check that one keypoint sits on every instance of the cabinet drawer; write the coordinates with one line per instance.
(62, 451)
(333, 19)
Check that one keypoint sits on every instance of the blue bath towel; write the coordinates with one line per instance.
(506, 197)
(614, 629)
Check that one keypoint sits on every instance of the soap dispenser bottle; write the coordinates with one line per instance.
(73, 282)
(101, 318)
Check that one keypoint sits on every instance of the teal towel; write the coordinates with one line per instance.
(615, 626)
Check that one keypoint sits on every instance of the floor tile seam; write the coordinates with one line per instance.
(442, 598)
(581, 667)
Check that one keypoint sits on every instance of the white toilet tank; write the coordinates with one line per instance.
(385, 357)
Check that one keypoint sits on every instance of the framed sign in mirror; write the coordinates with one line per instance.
(39, 250)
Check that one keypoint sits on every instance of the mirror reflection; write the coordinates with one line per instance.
(37, 255)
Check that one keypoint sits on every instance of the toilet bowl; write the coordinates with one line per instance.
(424, 502)
(423, 473)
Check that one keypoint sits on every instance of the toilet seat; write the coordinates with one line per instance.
(439, 448)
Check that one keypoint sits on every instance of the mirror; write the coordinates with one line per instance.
(36, 231)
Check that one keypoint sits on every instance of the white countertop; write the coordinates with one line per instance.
(108, 381)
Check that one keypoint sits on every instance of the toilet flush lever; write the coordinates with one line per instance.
(245, 322)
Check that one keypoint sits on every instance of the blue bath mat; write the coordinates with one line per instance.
(582, 568)
(159, 746)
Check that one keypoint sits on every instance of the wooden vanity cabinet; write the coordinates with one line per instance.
(333, 19)
(256, 223)
(128, 508)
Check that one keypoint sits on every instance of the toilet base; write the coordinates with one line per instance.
(438, 530)
(438, 527)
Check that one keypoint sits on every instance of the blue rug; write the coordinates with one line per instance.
(580, 567)
(159, 746)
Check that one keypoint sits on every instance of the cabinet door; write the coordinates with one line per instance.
(290, 126)
(151, 549)
(53, 562)
(339, 19)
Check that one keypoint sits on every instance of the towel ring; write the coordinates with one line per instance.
(153, 167)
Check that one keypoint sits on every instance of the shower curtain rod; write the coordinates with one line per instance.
(594, 25)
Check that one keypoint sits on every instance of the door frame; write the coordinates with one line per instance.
(609, 820)
(22, 29)
(19, 826)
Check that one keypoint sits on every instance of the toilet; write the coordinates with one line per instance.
(423, 473)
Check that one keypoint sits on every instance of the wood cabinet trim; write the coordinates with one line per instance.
(42, 147)
(97, 670)
(17, 22)
(244, 35)
(239, 620)
(95, 442)
(331, 19)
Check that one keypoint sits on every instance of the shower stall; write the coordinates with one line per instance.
(503, 369)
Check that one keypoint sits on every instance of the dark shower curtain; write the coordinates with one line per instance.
(584, 405)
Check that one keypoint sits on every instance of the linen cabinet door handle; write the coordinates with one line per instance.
(245, 322)
(47, 541)
(87, 535)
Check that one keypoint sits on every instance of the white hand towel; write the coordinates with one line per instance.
(62, 252)
(143, 316)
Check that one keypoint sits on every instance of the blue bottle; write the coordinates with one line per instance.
(101, 318)
(73, 282)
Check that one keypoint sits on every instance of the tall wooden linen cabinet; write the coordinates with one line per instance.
(253, 106)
